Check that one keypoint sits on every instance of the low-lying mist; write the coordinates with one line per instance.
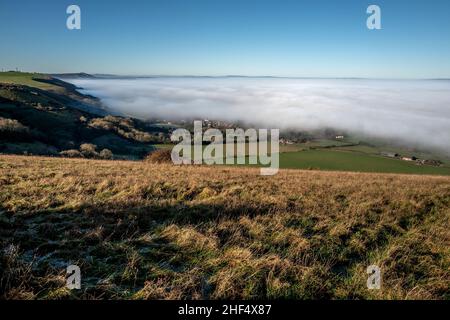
(412, 112)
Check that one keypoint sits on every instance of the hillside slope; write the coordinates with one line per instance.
(44, 116)
(53, 89)
(146, 231)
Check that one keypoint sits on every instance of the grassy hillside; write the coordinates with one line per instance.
(28, 79)
(33, 87)
(42, 115)
(146, 231)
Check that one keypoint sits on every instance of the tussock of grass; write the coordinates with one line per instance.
(154, 231)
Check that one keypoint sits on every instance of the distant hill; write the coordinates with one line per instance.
(80, 75)
(57, 89)
(43, 115)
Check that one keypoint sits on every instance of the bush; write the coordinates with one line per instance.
(88, 150)
(12, 126)
(106, 154)
(13, 130)
(159, 156)
(124, 127)
(102, 124)
(72, 153)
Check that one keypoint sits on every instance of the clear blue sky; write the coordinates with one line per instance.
(315, 38)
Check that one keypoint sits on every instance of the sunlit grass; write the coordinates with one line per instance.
(157, 231)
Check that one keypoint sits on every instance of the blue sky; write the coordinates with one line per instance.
(321, 38)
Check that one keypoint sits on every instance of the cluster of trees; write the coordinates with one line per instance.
(88, 150)
(124, 127)
(13, 130)
(12, 126)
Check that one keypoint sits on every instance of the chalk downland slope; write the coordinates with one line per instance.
(42, 115)
(156, 231)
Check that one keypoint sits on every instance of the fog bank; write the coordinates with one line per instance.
(416, 112)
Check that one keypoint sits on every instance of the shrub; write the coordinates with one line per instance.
(72, 153)
(12, 126)
(124, 127)
(88, 150)
(106, 154)
(102, 124)
(159, 156)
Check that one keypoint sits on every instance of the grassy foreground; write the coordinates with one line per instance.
(147, 231)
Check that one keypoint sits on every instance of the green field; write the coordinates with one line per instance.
(26, 79)
(353, 161)
(355, 158)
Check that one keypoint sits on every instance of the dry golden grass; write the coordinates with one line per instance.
(159, 156)
(156, 231)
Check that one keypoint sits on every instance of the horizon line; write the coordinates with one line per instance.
(113, 75)
(239, 76)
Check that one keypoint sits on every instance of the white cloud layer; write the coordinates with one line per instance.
(416, 112)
